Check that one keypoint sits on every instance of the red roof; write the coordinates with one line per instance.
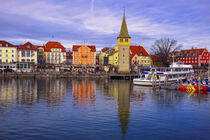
(191, 52)
(104, 50)
(27, 46)
(76, 47)
(54, 44)
(139, 50)
(5, 42)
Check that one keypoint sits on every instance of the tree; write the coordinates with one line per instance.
(163, 48)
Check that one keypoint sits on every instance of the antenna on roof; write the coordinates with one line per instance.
(52, 36)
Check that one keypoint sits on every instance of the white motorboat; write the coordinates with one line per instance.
(160, 75)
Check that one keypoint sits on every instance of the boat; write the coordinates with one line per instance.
(176, 72)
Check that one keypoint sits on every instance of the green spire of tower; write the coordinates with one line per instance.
(124, 30)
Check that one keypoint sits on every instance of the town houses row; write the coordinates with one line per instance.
(84, 57)
(122, 58)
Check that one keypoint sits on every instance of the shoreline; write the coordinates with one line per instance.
(53, 75)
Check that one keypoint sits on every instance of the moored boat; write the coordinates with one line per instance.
(164, 75)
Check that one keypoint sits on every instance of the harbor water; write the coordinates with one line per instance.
(62, 108)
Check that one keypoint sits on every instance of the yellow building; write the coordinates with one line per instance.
(140, 56)
(8, 52)
(27, 53)
(41, 56)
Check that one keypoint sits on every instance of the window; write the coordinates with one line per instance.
(32, 60)
(0, 55)
(6, 60)
(75, 62)
(6, 45)
(0, 50)
(28, 46)
(6, 55)
(121, 40)
(12, 50)
(79, 58)
(116, 57)
(12, 55)
(0, 45)
(23, 60)
(126, 40)
(92, 54)
(28, 60)
(0, 60)
(135, 58)
(28, 53)
(23, 53)
(6, 51)
(76, 53)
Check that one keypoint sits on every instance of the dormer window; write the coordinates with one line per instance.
(28, 46)
(140, 53)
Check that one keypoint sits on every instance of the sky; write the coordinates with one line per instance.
(98, 22)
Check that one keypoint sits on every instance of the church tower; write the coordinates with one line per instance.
(124, 48)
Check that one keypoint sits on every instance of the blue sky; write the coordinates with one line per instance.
(98, 22)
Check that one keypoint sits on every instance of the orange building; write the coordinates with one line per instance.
(84, 57)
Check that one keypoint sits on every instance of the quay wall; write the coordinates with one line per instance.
(53, 75)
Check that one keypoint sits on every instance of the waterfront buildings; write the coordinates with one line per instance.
(84, 57)
(8, 52)
(69, 57)
(41, 55)
(195, 57)
(55, 53)
(27, 53)
(140, 56)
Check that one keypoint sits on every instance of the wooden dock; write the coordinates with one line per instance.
(122, 76)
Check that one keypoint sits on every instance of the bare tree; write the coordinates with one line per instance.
(163, 47)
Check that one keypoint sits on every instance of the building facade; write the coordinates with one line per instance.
(69, 57)
(27, 53)
(8, 52)
(124, 50)
(195, 57)
(55, 53)
(41, 56)
(84, 57)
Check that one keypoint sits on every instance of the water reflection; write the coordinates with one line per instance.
(18, 91)
(66, 93)
(84, 92)
(124, 105)
(53, 90)
(121, 91)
